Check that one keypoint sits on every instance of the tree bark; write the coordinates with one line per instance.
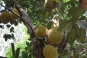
(37, 44)
(37, 47)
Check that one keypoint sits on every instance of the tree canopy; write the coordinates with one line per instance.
(64, 18)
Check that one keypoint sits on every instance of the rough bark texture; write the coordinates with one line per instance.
(37, 44)
(37, 47)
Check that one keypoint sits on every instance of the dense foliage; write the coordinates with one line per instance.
(70, 14)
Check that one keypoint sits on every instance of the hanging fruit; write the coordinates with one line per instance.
(49, 5)
(41, 31)
(50, 51)
(55, 36)
(5, 17)
(13, 16)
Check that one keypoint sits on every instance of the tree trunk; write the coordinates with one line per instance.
(37, 46)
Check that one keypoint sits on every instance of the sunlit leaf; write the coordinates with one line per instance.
(46, 14)
(57, 0)
(83, 18)
(55, 10)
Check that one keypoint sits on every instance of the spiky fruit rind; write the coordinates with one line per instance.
(5, 17)
(50, 51)
(41, 31)
(49, 5)
(55, 36)
(13, 16)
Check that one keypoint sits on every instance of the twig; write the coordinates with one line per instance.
(13, 49)
(17, 53)
(2, 57)
(70, 53)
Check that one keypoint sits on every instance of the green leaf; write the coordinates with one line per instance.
(77, 29)
(12, 29)
(79, 12)
(8, 25)
(65, 52)
(57, 0)
(84, 57)
(71, 12)
(46, 14)
(69, 26)
(65, 26)
(55, 10)
(83, 18)
(71, 36)
(63, 23)
(82, 35)
(75, 56)
(76, 12)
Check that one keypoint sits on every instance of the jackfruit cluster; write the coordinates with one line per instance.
(53, 35)
(6, 17)
(54, 38)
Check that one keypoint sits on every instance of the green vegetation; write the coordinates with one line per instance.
(68, 15)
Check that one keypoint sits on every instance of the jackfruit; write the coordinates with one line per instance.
(5, 17)
(55, 36)
(50, 51)
(13, 16)
(41, 31)
(49, 5)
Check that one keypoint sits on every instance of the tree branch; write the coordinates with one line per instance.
(37, 48)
